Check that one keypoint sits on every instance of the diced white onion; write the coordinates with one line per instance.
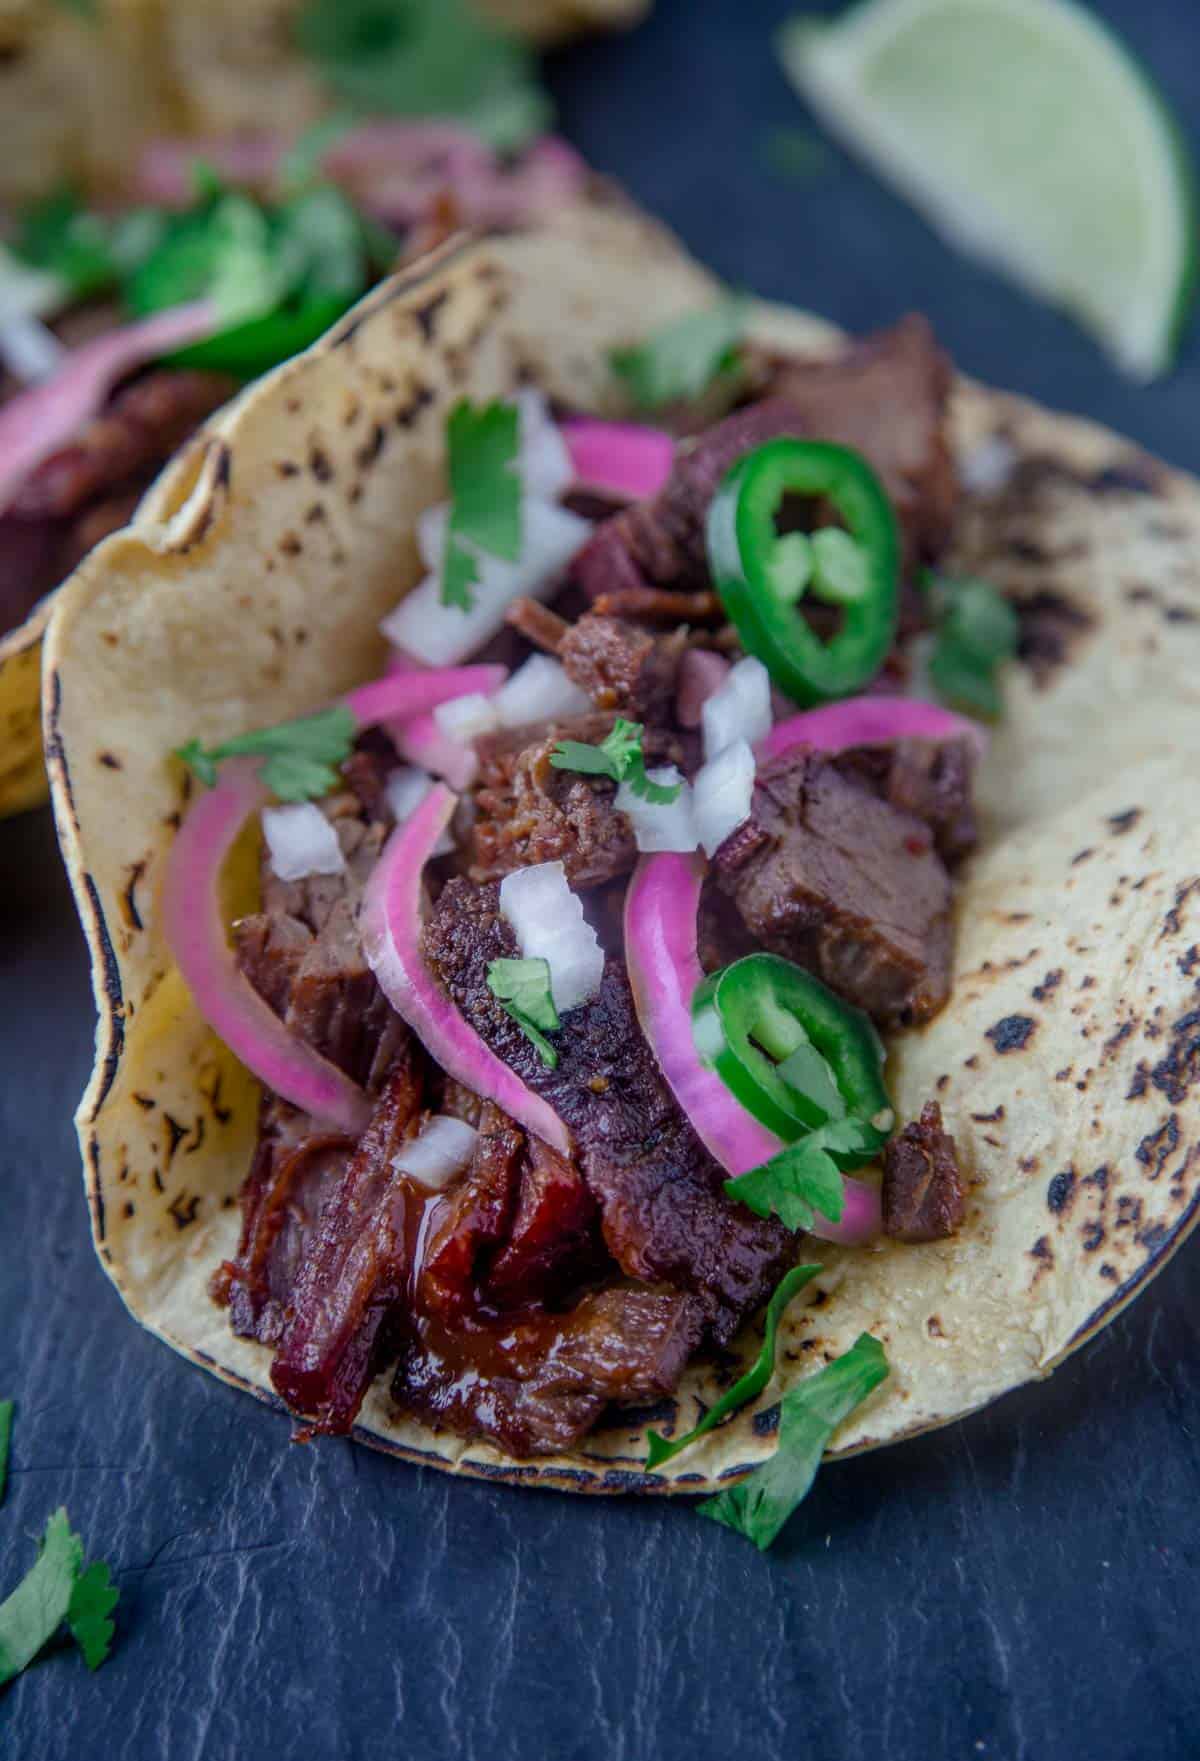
(722, 793)
(549, 924)
(301, 841)
(404, 791)
(545, 463)
(663, 826)
(988, 466)
(539, 691)
(465, 718)
(442, 635)
(740, 710)
(431, 534)
(444, 1149)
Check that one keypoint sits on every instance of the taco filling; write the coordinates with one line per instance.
(579, 929)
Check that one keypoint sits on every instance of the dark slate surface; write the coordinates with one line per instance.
(1024, 1585)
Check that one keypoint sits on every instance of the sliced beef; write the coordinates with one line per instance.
(923, 1197)
(664, 1214)
(829, 875)
(356, 1266)
(660, 543)
(929, 778)
(530, 811)
(888, 398)
(659, 605)
(623, 667)
(536, 1386)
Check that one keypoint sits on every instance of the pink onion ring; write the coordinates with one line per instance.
(423, 743)
(225, 997)
(40, 420)
(869, 721)
(391, 932)
(406, 693)
(664, 971)
(621, 457)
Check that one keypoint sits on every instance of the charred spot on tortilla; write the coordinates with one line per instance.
(1012, 1034)
(1050, 626)
(1061, 1191)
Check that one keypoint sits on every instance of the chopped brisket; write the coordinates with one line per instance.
(661, 542)
(887, 397)
(474, 1215)
(623, 667)
(659, 605)
(552, 1239)
(356, 1267)
(664, 1213)
(929, 778)
(142, 426)
(537, 1385)
(529, 811)
(850, 887)
(537, 623)
(923, 1198)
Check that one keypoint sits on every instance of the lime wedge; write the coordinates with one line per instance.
(1029, 136)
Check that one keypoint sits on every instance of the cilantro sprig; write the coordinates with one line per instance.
(619, 756)
(682, 359)
(805, 1177)
(975, 634)
(760, 1504)
(299, 758)
(483, 443)
(523, 987)
(747, 1387)
(57, 1590)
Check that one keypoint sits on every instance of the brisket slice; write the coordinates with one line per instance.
(537, 1385)
(356, 1267)
(664, 1214)
(623, 667)
(530, 811)
(888, 398)
(827, 874)
(923, 1198)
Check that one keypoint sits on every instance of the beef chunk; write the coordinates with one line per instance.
(553, 1236)
(923, 1197)
(664, 1213)
(356, 1266)
(661, 542)
(530, 811)
(827, 874)
(474, 1216)
(929, 778)
(659, 605)
(888, 398)
(536, 1386)
(142, 426)
(623, 667)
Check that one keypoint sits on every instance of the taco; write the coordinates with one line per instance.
(574, 1063)
(124, 330)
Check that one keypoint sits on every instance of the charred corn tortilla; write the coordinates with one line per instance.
(249, 589)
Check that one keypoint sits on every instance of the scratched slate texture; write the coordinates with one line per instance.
(1021, 1586)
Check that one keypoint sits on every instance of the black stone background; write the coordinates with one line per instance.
(1017, 1587)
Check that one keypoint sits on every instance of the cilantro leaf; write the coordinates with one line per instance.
(6, 1414)
(975, 634)
(683, 358)
(32, 1615)
(89, 1613)
(523, 988)
(59, 235)
(618, 756)
(299, 756)
(759, 1506)
(525, 984)
(483, 443)
(805, 1178)
(427, 58)
(746, 1387)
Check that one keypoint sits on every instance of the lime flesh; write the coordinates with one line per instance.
(1028, 134)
